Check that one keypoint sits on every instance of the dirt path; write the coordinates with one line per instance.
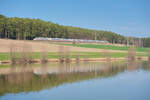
(19, 45)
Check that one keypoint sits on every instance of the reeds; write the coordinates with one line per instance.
(64, 55)
(12, 54)
(44, 55)
(132, 54)
(67, 54)
(149, 54)
(107, 55)
(86, 58)
(61, 54)
(26, 56)
(77, 57)
(68, 60)
(22, 54)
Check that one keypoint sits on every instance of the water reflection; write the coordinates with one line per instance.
(26, 78)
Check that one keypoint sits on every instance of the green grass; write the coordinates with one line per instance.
(4, 66)
(54, 55)
(110, 47)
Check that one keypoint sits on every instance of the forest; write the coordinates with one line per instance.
(27, 29)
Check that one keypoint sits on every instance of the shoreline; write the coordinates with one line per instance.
(75, 60)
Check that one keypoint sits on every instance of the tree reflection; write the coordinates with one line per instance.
(28, 78)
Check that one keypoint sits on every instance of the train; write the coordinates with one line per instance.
(69, 40)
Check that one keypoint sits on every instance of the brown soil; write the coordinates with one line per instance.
(36, 46)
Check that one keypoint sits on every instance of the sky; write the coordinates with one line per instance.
(125, 17)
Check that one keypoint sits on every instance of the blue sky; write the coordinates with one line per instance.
(126, 17)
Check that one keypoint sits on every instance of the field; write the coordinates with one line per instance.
(86, 55)
(53, 50)
(109, 47)
(38, 46)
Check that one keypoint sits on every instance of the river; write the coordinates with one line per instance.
(76, 81)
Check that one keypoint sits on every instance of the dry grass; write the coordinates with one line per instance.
(21, 54)
(44, 55)
(78, 57)
(61, 54)
(149, 55)
(36, 46)
(64, 54)
(107, 55)
(132, 54)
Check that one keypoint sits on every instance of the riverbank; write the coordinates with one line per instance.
(19, 51)
(78, 60)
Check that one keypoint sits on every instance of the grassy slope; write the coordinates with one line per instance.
(54, 55)
(110, 47)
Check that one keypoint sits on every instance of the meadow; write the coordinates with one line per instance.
(54, 55)
(49, 50)
(110, 47)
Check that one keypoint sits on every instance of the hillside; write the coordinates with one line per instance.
(25, 28)
(53, 51)
(35, 46)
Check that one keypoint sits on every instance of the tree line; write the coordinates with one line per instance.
(25, 28)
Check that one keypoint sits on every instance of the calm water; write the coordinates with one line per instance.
(82, 81)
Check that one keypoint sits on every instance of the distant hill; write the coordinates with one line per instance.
(25, 28)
